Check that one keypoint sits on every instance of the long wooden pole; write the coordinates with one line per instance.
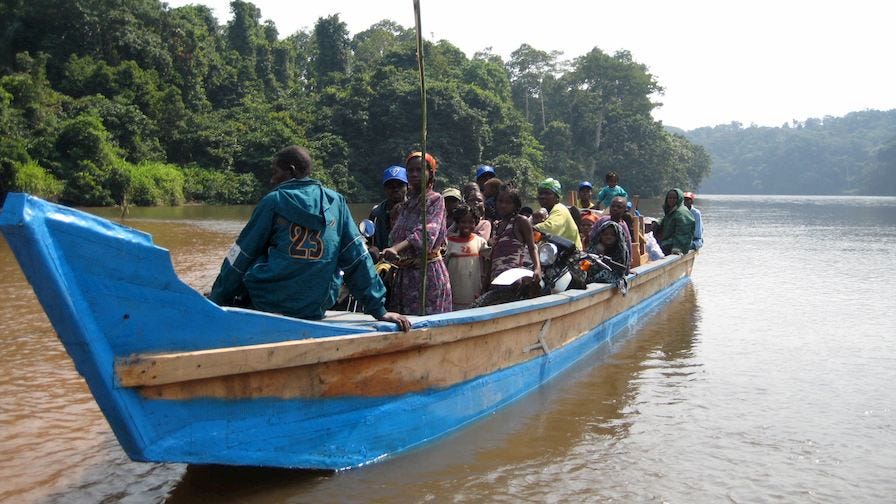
(424, 169)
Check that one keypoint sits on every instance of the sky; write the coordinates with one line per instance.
(763, 62)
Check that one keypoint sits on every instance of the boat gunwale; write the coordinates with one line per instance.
(152, 369)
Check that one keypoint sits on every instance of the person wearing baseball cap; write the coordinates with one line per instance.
(452, 199)
(689, 198)
(586, 190)
(483, 174)
(395, 186)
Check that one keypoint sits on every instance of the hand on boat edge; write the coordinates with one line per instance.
(403, 323)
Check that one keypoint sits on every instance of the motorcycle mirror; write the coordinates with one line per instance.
(367, 228)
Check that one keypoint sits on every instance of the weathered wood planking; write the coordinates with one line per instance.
(381, 363)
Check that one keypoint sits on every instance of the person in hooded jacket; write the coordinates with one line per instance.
(675, 229)
(292, 254)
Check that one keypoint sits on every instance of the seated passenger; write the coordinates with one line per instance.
(407, 240)
(609, 240)
(698, 220)
(483, 174)
(616, 214)
(585, 195)
(559, 221)
(675, 229)
(513, 244)
(467, 258)
(288, 258)
(586, 225)
(490, 193)
(611, 190)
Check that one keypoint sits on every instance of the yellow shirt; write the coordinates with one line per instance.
(561, 223)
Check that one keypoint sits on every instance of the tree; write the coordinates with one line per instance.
(331, 44)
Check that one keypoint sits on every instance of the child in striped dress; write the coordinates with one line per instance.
(467, 258)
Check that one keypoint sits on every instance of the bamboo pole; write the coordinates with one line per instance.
(424, 170)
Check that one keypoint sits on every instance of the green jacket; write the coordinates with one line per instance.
(677, 226)
(292, 252)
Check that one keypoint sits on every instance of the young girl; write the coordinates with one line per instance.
(512, 236)
(474, 199)
(466, 258)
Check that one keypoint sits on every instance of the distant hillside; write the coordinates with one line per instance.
(854, 154)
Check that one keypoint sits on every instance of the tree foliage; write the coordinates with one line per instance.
(854, 154)
(142, 103)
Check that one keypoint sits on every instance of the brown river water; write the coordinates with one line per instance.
(768, 378)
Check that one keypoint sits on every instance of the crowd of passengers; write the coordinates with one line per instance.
(301, 243)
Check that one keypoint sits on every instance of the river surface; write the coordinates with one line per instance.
(769, 378)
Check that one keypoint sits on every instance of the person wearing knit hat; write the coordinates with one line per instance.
(552, 185)
(559, 221)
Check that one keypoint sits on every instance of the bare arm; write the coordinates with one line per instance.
(394, 251)
(524, 228)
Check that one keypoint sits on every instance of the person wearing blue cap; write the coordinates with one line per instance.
(395, 185)
(483, 174)
(586, 190)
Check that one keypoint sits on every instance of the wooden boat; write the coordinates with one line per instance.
(181, 379)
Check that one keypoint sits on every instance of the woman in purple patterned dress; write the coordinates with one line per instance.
(407, 236)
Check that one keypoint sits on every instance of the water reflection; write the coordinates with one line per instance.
(530, 450)
(770, 380)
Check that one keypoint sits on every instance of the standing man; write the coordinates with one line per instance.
(698, 220)
(586, 191)
(292, 254)
(395, 186)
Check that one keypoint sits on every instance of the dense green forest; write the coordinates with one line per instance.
(854, 154)
(104, 101)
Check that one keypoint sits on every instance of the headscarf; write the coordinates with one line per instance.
(551, 185)
(619, 252)
(430, 159)
(679, 194)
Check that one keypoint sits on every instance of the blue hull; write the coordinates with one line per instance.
(110, 294)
